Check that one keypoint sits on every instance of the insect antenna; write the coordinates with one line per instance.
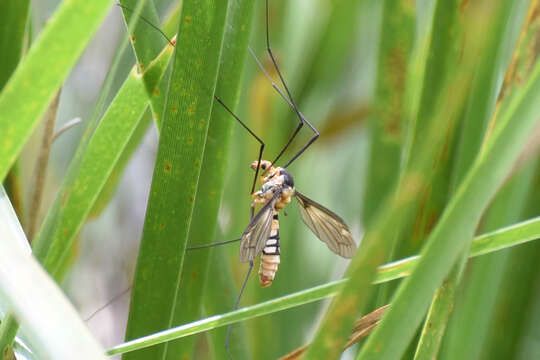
(292, 103)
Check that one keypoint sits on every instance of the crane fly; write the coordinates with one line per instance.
(262, 233)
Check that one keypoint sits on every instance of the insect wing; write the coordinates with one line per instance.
(327, 226)
(258, 230)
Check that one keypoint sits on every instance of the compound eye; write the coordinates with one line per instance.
(263, 166)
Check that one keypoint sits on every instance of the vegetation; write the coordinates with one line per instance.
(428, 148)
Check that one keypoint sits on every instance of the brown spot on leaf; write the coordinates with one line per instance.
(188, 19)
(65, 197)
(133, 38)
(463, 6)
(194, 275)
(167, 167)
(396, 78)
(418, 231)
(190, 140)
(156, 91)
(191, 199)
(161, 226)
(175, 109)
(431, 221)
(197, 164)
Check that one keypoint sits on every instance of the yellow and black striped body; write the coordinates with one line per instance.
(270, 254)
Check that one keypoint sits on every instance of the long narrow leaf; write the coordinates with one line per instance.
(86, 179)
(22, 281)
(56, 50)
(203, 226)
(13, 18)
(177, 170)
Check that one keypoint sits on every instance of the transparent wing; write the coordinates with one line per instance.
(327, 226)
(258, 230)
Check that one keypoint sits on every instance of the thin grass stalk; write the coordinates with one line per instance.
(40, 172)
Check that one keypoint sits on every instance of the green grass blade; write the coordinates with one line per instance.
(388, 120)
(480, 108)
(484, 244)
(56, 49)
(457, 224)
(146, 41)
(221, 287)
(98, 158)
(212, 178)
(474, 310)
(503, 238)
(13, 18)
(387, 123)
(36, 300)
(517, 300)
(109, 188)
(447, 36)
(268, 307)
(157, 97)
(176, 173)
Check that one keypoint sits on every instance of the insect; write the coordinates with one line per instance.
(262, 233)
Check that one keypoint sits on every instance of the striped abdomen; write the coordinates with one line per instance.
(270, 255)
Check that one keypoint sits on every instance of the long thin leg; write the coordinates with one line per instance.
(212, 244)
(301, 117)
(269, 78)
(261, 148)
(104, 306)
(236, 304)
